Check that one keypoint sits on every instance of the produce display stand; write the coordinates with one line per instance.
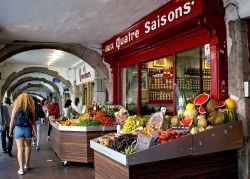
(71, 143)
(211, 153)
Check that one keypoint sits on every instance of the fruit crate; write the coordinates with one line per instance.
(220, 138)
(174, 149)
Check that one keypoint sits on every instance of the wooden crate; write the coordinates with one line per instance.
(224, 137)
(215, 165)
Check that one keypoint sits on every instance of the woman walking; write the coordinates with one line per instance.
(23, 118)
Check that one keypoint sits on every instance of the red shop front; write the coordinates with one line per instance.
(174, 53)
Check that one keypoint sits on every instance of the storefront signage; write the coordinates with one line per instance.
(83, 74)
(169, 15)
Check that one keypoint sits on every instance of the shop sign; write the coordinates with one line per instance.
(83, 74)
(171, 14)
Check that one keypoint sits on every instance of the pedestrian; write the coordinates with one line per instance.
(23, 118)
(45, 110)
(53, 111)
(39, 114)
(76, 106)
(66, 108)
(6, 110)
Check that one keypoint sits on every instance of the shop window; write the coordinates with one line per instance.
(192, 71)
(157, 85)
(129, 88)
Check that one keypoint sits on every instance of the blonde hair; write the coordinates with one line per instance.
(25, 102)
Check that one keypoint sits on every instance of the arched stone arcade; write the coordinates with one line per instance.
(91, 57)
(29, 79)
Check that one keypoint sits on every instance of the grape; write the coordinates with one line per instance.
(131, 123)
(122, 142)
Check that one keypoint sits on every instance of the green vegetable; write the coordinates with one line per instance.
(87, 122)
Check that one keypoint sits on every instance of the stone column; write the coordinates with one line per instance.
(238, 68)
(99, 89)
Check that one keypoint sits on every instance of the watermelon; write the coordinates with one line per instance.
(202, 110)
(220, 104)
(186, 122)
(201, 99)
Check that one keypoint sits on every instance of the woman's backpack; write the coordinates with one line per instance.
(22, 118)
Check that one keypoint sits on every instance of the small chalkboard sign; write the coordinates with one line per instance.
(144, 141)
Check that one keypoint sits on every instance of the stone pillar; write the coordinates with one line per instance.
(238, 68)
(99, 89)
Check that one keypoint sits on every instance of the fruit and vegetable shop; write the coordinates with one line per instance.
(171, 115)
(172, 61)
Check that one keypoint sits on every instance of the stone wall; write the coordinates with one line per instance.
(238, 68)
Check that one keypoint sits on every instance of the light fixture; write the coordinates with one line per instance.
(54, 56)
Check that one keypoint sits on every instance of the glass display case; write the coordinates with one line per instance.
(192, 71)
(157, 74)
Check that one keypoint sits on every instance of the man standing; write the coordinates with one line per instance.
(53, 110)
(6, 110)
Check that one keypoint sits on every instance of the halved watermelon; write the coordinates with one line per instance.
(201, 99)
(186, 122)
(220, 104)
(202, 110)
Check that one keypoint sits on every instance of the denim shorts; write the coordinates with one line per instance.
(22, 132)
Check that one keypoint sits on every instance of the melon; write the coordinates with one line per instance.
(220, 104)
(194, 130)
(202, 110)
(201, 99)
(231, 115)
(209, 127)
(220, 118)
(181, 113)
(175, 120)
(201, 129)
(201, 116)
(191, 113)
(202, 122)
(212, 117)
(190, 106)
(186, 122)
(211, 105)
(230, 103)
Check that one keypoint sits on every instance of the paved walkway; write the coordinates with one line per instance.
(45, 164)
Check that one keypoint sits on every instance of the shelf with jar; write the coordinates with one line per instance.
(160, 83)
(161, 96)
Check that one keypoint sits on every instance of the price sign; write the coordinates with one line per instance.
(143, 142)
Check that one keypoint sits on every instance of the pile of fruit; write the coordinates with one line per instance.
(87, 122)
(104, 120)
(205, 113)
(125, 143)
(121, 116)
(168, 135)
(85, 119)
(134, 122)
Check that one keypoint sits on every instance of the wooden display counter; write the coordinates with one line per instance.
(210, 154)
(72, 143)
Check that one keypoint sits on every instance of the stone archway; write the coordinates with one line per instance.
(36, 94)
(26, 79)
(93, 58)
(27, 70)
(19, 91)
